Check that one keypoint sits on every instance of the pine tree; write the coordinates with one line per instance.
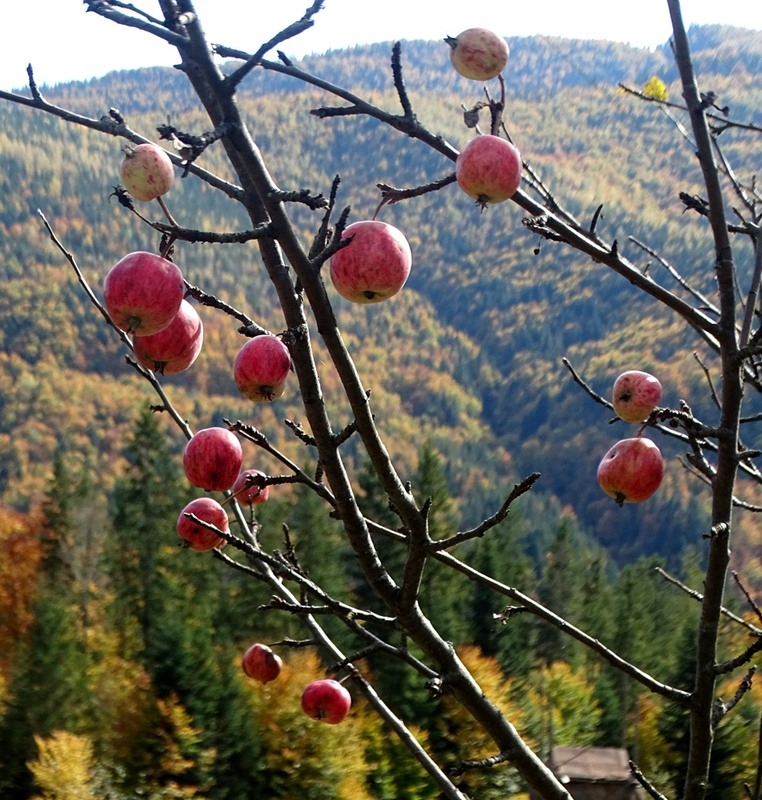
(512, 637)
(48, 692)
(147, 501)
(443, 594)
(735, 738)
(58, 511)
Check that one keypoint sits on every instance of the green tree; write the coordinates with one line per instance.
(48, 692)
(510, 636)
(443, 595)
(146, 503)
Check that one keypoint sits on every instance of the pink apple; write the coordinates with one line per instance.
(374, 265)
(635, 395)
(261, 368)
(247, 490)
(175, 348)
(198, 536)
(147, 171)
(488, 169)
(478, 53)
(631, 471)
(212, 459)
(326, 700)
(142, 293)
(261, 663)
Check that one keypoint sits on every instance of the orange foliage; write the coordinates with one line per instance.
(19, 560)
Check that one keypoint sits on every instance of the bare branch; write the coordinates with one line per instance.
(137, 19)
(292, 30)
(699, 597)
(520, 488)
(641, 779)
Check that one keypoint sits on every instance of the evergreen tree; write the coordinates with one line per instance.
(147, 501)
(48, 692)
(323, 555)
(511, 638)
(58, 524)
(562, 590)
(443, 594)
(735, 736)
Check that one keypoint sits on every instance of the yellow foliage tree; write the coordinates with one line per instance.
(63, 768)
(297, 751)
(560, 706)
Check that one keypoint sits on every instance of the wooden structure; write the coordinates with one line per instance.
(594, 773)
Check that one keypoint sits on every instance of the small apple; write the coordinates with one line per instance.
(635, 395)
(261, 368)
(212, 459)
(247, 490)
(326, 700)
(175, 348)
(488, 169)
(261, 663)
(374, 265)
(147, 171)
(197, 536)
(631, 471)
(478, 53)
(142, 293)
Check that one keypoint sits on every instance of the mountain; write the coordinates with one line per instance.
(468, 356)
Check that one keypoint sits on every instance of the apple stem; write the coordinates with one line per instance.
(384, 201)
(165, 209)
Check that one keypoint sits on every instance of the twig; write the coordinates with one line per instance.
(294, 29)
(646, 784)
(212, 237)
(480, 763)
(393, 195)
(749, 599)
(520, 488)
(699, 598)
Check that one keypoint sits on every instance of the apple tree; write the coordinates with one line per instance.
(368, 261)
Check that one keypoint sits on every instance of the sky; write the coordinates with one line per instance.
(63, 42)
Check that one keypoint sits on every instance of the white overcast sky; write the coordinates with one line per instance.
(63, 42)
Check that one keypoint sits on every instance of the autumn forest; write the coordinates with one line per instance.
(120, 660)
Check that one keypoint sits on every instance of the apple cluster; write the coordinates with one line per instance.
(375, 262)
(632, 470)
(489, 167)
(325, 700)
(144, 295)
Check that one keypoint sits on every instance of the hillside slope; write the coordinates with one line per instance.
(469, 356)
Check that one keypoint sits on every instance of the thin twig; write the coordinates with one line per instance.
(646, 784)
(699, 598)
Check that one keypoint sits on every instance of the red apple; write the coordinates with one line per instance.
(212, 459)
(261, 368)
(631, 471)
(147, 171)
(259, 662)
(374, 265)
(488, 169)
(197, 536)
(248, 491)
(478, 53)
(175, 348)
(143, 292)
(326, 700)
(635, 395)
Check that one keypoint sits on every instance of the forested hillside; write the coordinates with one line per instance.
(474, 365)
(141, 639)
